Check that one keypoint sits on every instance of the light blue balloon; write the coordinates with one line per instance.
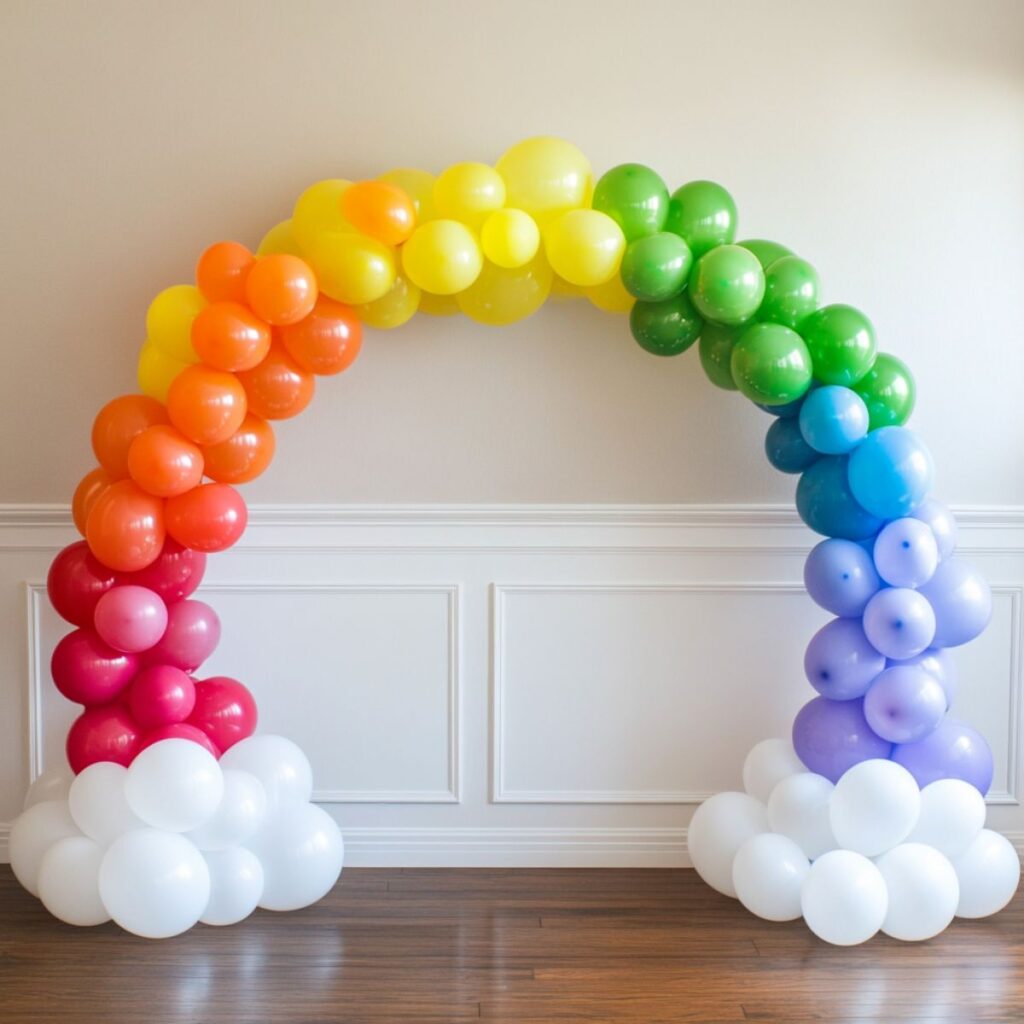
(961, 600)
(906, 553)
(833, 420)
(891, 472)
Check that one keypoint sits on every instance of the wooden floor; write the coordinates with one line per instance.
(537, 947)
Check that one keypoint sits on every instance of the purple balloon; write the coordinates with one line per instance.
(906, 554)
(831, 736)
(840, 576)
(193, 631)
(942, 524)
(937, 662)
(962, 602)
(905, 703)
(840, 662)
(899, 622)
(953, 750)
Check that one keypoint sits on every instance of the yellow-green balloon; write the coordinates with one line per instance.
(841, 341)
(888, 391)
(665, 328)
(791, 288)
(770, 364)
(766, 252)
(727, 285)
(703, 214)
(634, 197)
(656, 267)
(715, 350)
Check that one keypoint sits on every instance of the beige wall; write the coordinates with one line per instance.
(883, 141)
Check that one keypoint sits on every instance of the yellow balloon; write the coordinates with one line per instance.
(393, 308)
(562, 289)
(156, 371)
(501, 295)
(584, 246)
(438, 305)
(510, 238)
(318, 209)
(611, 296)
(442, 256)
(280, 238)
(169, 321)
(545, 177)
(469, 192)
(351, 268)
(418, 186)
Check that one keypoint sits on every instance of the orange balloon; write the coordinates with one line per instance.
(244, 455)
(89, 488)
(380, 210)
(278, 388)
(222, 270)
(281, 288)
(210, 517)
(327, 341)
(117, 424)
(125, 528)
(227, 336)
(206, 405)
(163, 462)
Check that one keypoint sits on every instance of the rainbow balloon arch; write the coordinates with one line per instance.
(870, 817)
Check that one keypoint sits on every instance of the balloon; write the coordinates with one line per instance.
(327, 341)
(501, 296)
(53, 784)
(89, 488)
(192, 635)
(941, 522)
(418, 186)
(545, 177)
(953, 750)
(584, 246)
(988, 873)
(904, 704)
(665, 328)
(175, 574)
(923, 892)
(69, 882)
(827, 505)
(244, 455)
(161, 695)
(952, 816)
(656, 267)
(178, 731)
(937, 663)
(469, 192)
(844, 899)
(236, 885)
(703, 214)
(222, 271)
(229, 336)
(104, 733)
(206, 405)
(224, 710)
(716, 344)
(379, 209)
(634, 197)
(906, 553)
(767, 764)
(164, 462)
(899, 622)
(156, 371)
(117, 424)
(280, 289)
(394, 308)
(719, 827)
(125, 529)
(169, 321)
(840, 663)
(961, 600)
(787, 410)
(98, 805)
(840, 577)
(278, 388)
(210, 517)
(785, 447)
(888, 391)
(791, 288)
(76, 581)
(798, 808)
(174, 785)
(831, 736)
(891, 472)
(874, 807)
(353, 269)
(88, 671)
(130, 618)
(239, 814)
(841, 341)
(768, 874)
(727, 286)
(280, 238)
(32, 834)
(154, 884)
(769, 363)
(833, 420)
(446, 305)
(317, 212)
(278, 763)
(611, 296)
(766, 252)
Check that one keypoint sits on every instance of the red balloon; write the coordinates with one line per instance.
(161, 695)
(106, 733)
(76, 581)
(210, 517)
(225, 711)
(175, 574)
(88, 671)
(177, 731)
(192, 635)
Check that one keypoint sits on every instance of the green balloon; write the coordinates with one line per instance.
(766, 252)
(770, 364)
(703, 214)
(791, 289)
(888, 391)
(841, 341)
(727, 285)
(715, 350)
(665, 328)
(634, 197)
(656, 267)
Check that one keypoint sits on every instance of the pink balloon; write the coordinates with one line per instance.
(88, 671)
(192, 634)
(161, 695)
(177, 731)
(225, 710)
(76, 581)
(174, 575)
(105, 733)
(130, 618)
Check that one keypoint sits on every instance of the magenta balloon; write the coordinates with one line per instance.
(88, 671)
(130, 618)
(76, 581)
(192, 634)
(831, 736)
(161, 695)
(175, 574)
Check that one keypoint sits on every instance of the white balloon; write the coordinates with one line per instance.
(34, 831)
(768, 874)
(923, 891)
(239, 813)
(767, 764)
(236, 884)
(719, 827)
(952, 815)
(69, 881)
(799, 808)
(98, 803)
(153, 883)
(53, 784)
(844, 899)
(278, 763)
(874, 807)
(989, 872)
(301, 850)
(174, 785)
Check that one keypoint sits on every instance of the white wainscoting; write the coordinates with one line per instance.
(526, 685)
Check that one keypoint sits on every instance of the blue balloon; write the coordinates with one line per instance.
(840, 576)
(841, 664)
(833, 420)
(900, 623)
(786, 448)
(961, 600)
(827, 505)
(891, 472)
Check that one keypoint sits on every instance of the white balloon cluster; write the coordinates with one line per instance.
(872, 852)
(177, 838)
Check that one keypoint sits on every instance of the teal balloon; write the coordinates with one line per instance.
(634, 197)
(770, 364)
(727, 285)
(766, 252)
(656, 267)
(842, 344)
(791, 288)
(665, 328)
(715, 349)
(888, 391)
(703, 214)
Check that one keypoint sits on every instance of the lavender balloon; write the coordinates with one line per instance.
(961, 600)
(840, 662)
(905, 703)
(936, 662)
(951, 751)
(899, 622)
(941, 522)
(906, 553)
(840, 576)
(831, 736)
